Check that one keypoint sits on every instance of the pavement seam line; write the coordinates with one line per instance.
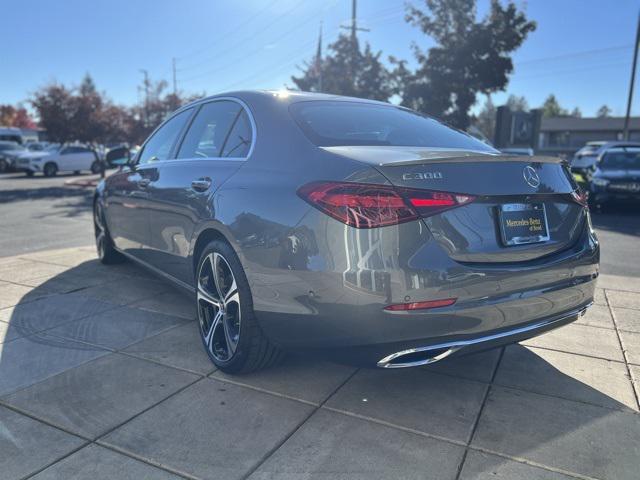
(261, 390)
(147, 461)
(101, 437)
(67, 455)
(273, 450)
(624, 352)
(98, 439)
(480, 410)
(572, 353)
(531, 463)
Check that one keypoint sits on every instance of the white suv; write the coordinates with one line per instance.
(69, 158)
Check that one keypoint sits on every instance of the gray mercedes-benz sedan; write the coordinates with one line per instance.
(350, 228)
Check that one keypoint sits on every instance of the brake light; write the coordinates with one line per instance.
(363, 205)
(401, 307)
(428, 202)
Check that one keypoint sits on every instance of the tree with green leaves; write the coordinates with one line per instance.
(517, 104)
(472, 56)
(551, 108)
(603, 112)
(485, 121)
(347, 70)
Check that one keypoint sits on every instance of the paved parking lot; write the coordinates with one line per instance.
(102, 376)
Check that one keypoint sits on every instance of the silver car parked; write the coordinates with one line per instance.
(348, 228)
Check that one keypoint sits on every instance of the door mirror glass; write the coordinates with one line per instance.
(118, 157)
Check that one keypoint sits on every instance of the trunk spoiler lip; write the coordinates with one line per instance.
(379, 155)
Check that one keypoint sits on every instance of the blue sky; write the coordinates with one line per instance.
(581, 51)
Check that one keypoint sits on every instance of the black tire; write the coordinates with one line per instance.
(234, 322)
(107, 254)
(4, 166)
(95, 167)
(50, 169)
(29, 173)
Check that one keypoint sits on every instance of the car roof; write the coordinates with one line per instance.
(287, 96)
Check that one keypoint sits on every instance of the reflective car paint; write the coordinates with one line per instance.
(318, 284)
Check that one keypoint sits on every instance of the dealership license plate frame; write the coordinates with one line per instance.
(536, 209)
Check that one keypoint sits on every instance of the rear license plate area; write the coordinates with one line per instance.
(523, 223)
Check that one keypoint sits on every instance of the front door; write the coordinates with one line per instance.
(214, 148)
(129, 190)
(127, 207)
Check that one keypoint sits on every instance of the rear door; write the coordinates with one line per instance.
(214, 147)
(84, 158)
(67, 160)
(128, 200)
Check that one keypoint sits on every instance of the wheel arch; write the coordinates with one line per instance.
(205, 235)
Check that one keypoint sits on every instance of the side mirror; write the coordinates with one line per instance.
(118, 157)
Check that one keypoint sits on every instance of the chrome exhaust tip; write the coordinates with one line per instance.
(415, 357)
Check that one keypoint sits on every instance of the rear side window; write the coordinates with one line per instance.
(329, 124)
(159, 146)
(220, 129)
(238, 142)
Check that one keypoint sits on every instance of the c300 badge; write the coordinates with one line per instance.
(422, 176)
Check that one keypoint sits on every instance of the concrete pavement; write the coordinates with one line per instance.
(102, 375)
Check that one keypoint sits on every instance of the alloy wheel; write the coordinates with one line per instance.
(219, 312)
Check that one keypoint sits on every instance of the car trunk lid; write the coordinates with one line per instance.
(524, 207)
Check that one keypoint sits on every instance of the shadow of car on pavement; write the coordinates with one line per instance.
(529, 408)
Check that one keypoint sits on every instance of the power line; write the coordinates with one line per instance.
(260, 49)
(237, 27)
(249, 38)
(575, 54)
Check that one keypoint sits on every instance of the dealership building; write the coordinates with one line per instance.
(565, 135)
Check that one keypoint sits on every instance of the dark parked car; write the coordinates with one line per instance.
(350, 228)
(616, 176)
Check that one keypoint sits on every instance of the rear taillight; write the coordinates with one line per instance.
(363, 205)
(581, 197)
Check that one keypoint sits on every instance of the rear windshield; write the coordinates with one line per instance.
(621, 159)
(331, 124)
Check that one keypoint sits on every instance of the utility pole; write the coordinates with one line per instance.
(175, 82)
(633, 80)
(354, 41)
(319, 60)
(146, 96)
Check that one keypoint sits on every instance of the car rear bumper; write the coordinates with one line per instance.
(338, 306)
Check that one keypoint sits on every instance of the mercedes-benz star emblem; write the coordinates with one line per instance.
(531, 176)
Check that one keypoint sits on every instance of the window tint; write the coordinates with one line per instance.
(328, 123)
(159, 145)
(621, 159)
(210, 130)
(238, 142)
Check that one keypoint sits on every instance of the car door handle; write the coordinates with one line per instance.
(144, 182)
(201, 184)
